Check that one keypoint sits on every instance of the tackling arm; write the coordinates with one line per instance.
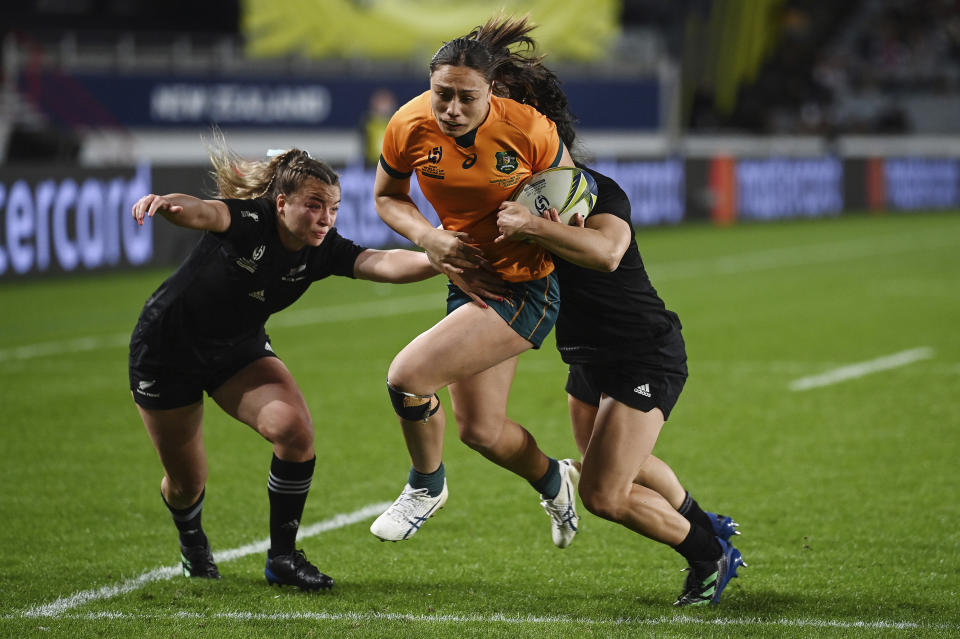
(396, 266)
(184, 210)
(448, 249)
(598, 244)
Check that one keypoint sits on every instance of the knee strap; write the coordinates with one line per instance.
(412, 407)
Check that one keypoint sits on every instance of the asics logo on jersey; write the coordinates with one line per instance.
(643, 389)
(435, 154)
(250, 214)
(259, 251)
(507, 161)
(470, 161)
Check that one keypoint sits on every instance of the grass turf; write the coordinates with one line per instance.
(846, 494)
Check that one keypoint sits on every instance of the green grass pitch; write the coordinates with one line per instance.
(846, 492)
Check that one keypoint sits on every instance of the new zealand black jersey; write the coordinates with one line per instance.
(233, 281)
(610, 316)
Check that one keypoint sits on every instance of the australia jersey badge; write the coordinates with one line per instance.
(506, 161)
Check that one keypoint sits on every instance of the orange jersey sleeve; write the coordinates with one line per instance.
(466, 178)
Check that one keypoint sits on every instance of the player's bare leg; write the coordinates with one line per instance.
(177, 435)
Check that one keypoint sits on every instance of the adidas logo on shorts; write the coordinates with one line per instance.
(643, 389)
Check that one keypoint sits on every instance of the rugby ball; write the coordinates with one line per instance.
(566, 188)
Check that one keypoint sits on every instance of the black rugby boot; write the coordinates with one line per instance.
(198, 562)
(295, 570)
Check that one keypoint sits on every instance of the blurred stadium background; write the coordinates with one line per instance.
(723, 111)
(794, 170)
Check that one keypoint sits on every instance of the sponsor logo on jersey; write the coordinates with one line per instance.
(250, 263)
(507, 161)
(260, 295)
(250, 214)
(432, 171)
(470, 161)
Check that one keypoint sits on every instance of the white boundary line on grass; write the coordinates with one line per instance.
(791, 256)
(60, 606)
(852, 371)
(344, 312)
(519, 620)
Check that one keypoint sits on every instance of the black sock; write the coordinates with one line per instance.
(433, 482)
(549, 485)
(691, 510)
(699, 545)
(187, 521)
(287, 487)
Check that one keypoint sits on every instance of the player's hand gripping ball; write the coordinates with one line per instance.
(566, 188)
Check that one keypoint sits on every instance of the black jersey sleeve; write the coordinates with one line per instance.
(335, 256)
(610, 198)
(250, 220)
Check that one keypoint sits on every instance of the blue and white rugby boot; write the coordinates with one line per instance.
(404, 517)
(563, 508)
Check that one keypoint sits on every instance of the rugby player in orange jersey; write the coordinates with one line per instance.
(470, 149)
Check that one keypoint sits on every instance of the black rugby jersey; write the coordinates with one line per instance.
(610, 316)
(233, 281)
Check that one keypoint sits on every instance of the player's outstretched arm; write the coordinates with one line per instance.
(450, 250)
(184, 210)
(396, 266)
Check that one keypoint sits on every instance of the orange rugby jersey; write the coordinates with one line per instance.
(466, 178)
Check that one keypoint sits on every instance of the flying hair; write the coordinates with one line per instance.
(285, 172)
(502, 50)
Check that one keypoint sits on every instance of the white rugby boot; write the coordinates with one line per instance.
(404, 517)
(563, 508)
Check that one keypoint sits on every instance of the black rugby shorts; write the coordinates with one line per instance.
(627, 382)
(162, 380)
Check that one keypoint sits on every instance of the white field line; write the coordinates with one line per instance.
(861, 369)
(344, 312)
(63, 604)
(518, 619)
(725, 265)
(29, 351)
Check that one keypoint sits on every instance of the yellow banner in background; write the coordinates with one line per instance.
(572, 30)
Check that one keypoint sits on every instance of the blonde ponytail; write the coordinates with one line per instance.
(238, 178)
